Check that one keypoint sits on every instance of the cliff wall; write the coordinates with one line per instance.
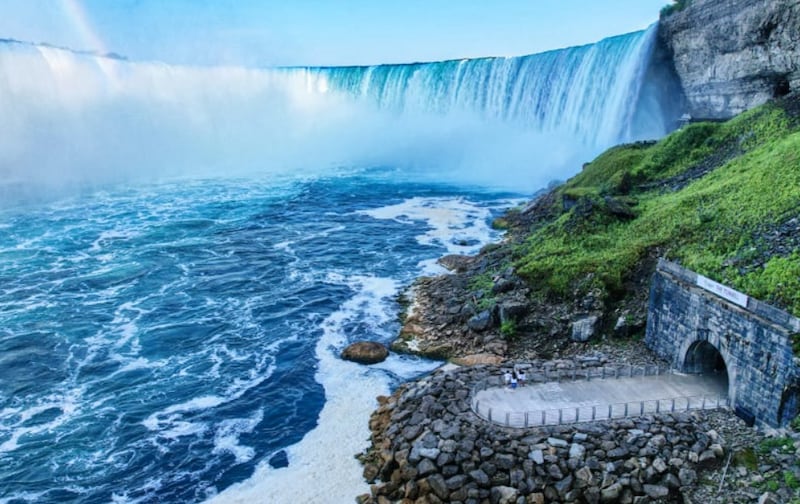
(733, 55)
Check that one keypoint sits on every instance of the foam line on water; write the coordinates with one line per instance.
(458, 225)
(322, 467)
(13, 420)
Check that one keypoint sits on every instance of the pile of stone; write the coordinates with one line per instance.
(429, 447)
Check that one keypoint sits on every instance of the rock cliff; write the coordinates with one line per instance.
(733, 55)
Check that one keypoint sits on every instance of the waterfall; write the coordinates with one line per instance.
(589, 92)
(73, 119)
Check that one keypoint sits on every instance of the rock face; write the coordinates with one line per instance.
(733, 55)
(365, 352)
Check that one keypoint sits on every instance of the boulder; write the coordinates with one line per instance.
(478, 359)
(365, 352)
(584, 328)
(481, 321)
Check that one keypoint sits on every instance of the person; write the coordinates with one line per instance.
(513, 382)
(507, 378)
(521, 377)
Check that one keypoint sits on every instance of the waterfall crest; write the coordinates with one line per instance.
(75, 119)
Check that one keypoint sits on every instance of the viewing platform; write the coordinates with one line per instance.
(589, 397)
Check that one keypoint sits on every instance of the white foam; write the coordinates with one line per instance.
(226, 437)
(180, 429)
(14, 418)
(322, 466)
(160, 419)
(23, 497)
(460, 226)
(111, 236)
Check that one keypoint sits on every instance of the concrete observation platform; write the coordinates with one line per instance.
(566, 402)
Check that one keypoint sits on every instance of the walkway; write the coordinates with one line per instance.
(583, 400)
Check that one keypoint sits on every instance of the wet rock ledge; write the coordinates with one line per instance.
(429, 447)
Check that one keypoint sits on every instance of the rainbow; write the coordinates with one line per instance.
(77, 15)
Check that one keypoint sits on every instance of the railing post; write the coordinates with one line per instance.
(658, 406)
(630, 371)
(544, 417)
(673, 405)
(594, 412)
(704, 403)
(609, 411)
(526, 419)
(641, 407)
(573, 374)
(560, 411)
(508, 423)
(603, 372)
(577, 414)
(490, 414)
(626, 409)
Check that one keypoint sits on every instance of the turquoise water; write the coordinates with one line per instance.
(178, 341)
(159, 343)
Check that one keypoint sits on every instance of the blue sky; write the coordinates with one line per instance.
(317, 32)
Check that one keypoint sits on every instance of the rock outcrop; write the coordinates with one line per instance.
(365, 352)
(733, 55)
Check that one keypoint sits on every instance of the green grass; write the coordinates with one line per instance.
(780, 444)
(508, 329)
(753, 180)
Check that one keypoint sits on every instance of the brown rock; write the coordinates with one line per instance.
(478, 359)
(365, 352)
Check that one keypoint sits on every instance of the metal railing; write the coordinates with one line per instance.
(597, 412)
(548, 374)
(580, 414)
(602, 372)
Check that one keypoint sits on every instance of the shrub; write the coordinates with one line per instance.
(676, 6)
(508, 328)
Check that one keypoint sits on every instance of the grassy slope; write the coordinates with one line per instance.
(701, 196)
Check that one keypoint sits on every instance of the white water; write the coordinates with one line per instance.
(322, 467)
(74, 120)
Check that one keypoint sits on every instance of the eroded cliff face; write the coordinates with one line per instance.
(733, 55)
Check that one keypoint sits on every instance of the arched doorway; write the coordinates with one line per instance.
(704, 358)
(790, 405)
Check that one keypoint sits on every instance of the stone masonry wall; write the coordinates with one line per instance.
(754, 340)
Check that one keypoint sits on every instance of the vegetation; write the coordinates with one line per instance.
(508, 328)
(703, 196)
(675, 6)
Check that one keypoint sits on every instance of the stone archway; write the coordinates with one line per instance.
(703, 358)
(790, 405)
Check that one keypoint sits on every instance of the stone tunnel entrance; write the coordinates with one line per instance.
(704, 358)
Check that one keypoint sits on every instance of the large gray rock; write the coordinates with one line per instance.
(733, 55)
(481, 321)
(583, 329)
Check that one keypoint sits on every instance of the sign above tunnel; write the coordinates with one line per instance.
(722, 291)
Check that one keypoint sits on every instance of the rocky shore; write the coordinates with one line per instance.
(429, 447)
